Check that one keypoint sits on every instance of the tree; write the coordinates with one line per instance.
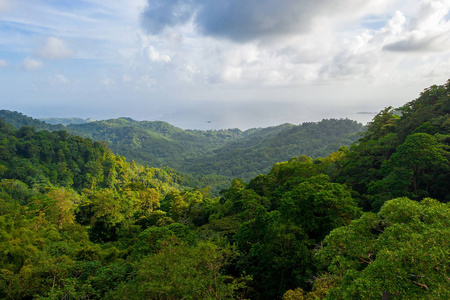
(401, 252)
(58, 205)
(179, 271)
(65, 201)
(108, 210)
(275, 253)
(420, 154)
(318, 206)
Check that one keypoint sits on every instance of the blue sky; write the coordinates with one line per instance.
(235, 63)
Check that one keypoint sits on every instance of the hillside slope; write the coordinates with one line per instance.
(231, 153)
(256, 154)
(405, 152)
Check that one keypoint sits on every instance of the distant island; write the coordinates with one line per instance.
(366, 113)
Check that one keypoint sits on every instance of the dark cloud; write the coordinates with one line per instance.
(241, 20)
(246, 20)
(160, 14)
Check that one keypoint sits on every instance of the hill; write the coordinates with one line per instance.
(41, 159)
(18, 120)
(231, 153)
(405, 152)
(256, 154)
(78, 222)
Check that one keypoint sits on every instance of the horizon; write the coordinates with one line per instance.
(364, 115)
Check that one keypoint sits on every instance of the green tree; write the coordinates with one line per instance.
(401, 252)
(275, 253)
(318, 206)
(420, 154)
(179, 271)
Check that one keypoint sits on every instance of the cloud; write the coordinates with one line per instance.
(250, 64)
(29, 64)
(54, 48)
(61, 78)
(429, 30)
(154, 55)
(3, 63)
(160, 14)
(417, 42)
(248, 20)
(269, 43)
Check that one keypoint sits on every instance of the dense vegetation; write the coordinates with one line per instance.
(405, 152)
(18, 120)
(256, 154)
(217, 156)
(231, 153)
(356, 224)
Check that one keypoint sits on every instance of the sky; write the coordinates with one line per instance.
(220, 64)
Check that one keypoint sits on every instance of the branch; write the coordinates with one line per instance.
(362, 260)
(420, 284)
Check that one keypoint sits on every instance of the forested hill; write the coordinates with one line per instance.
(231, 153)
(405, 152)
(160, 143)
(246, 158)
(18, 120)
(42, 159)
(78, 222)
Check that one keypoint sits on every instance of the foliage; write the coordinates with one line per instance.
(179, 271)
(78, 222)
(405, 152)
(403, 251)
(213, 157)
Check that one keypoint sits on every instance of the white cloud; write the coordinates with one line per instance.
(3, 63)
(428, 30)
(29, 64)
(346, 53)
(61, 78)
(251, 64)
(54, 48)
(153, 55)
